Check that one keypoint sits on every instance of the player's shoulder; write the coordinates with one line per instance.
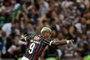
(32, 34)
(28, 36)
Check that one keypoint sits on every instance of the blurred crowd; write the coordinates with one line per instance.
(69, 19)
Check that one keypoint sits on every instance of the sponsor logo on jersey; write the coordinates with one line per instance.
(35, 41)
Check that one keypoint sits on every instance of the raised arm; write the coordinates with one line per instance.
(62, 42)
(26, 37)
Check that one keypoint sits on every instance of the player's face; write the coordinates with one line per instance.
(47, 34)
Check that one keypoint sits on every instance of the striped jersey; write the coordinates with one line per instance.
(37, 45)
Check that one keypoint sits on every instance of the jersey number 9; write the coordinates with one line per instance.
(31, 48)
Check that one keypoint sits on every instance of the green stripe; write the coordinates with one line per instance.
(38, 50)
(35, 54)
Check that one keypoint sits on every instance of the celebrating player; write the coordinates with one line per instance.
(37, 43)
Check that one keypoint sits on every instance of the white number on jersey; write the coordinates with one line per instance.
(31, 48)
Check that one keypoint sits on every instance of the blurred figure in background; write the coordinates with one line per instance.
(69, 18)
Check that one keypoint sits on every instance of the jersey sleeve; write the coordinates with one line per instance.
(48, 42)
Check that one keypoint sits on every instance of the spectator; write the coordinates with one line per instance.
(82, 43)
(68, 18)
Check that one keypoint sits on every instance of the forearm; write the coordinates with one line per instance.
(62, 42)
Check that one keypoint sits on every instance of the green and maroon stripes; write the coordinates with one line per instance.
(39, 53)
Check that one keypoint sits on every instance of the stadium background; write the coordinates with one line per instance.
(69, 19)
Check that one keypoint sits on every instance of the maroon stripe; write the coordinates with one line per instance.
(35, 50)
(39, 53)
(46, 41)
